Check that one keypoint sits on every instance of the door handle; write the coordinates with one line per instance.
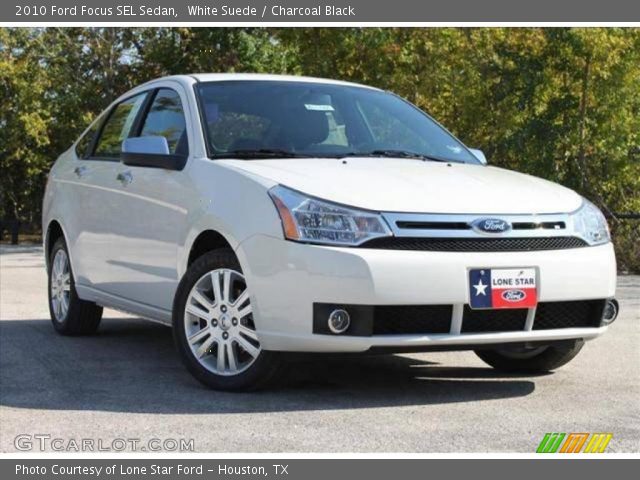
(80, 171)
(125, 178)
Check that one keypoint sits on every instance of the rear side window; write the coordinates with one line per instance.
(166, 119)
(118, 126)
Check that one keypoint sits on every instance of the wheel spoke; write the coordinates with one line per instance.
(66, 282)
(243, 312)
(231, 355)
(220, 365)
(55, 268)
(199, 335)
(247, 332)
(62, 261)
(242, 299)
(248, 346)
(226, 286)
(201, 299)
(215, 283)
(65, 303)
(204, 348)
(198, 312)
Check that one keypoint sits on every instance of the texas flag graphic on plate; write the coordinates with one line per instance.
(502, 288)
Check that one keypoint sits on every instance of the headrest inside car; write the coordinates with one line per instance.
(307, 127)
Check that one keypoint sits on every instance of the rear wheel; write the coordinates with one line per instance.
(214, 329)
(525, 359)
(70, 315)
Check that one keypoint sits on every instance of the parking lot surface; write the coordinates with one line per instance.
(127, 383)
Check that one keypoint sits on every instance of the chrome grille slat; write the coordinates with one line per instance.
(432, 225)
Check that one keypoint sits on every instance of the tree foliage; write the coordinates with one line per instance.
(560, 103)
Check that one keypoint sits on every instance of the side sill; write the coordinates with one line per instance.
(125, 305)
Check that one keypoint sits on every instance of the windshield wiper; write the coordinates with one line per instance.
(248, 153)
(398, 154)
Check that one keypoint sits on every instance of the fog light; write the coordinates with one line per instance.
(610, 311)
(339, 321)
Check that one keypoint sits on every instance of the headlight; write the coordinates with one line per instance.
(590, 223)
(308, 219)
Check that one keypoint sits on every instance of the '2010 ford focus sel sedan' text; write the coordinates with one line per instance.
(262, 214)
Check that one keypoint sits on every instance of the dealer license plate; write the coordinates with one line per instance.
(503, 288)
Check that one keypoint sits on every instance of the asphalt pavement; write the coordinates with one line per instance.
(126, 384)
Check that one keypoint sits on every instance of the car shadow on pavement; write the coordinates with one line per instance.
(131, 366)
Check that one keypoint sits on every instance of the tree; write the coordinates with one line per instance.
(560, 103)
(24, 122)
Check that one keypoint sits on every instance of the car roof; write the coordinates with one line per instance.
(226, 77)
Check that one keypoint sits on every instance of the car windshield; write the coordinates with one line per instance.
(288, 119)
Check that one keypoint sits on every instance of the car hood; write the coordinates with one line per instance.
(407, 185)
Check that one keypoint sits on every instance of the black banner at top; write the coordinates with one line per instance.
(316, 11)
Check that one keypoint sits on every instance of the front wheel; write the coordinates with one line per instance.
(526, 359)
(214, 329)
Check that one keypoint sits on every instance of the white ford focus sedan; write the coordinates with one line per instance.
(259, 215)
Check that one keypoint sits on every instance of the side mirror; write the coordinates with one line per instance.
(149, 144)
(479, 154)
(151, 152)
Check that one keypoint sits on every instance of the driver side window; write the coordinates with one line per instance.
(166, 119)
(118, 127)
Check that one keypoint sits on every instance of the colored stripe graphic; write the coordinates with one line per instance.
(598, 442)
(574, 442)
(550, 443)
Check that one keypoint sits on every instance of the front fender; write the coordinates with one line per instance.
(233, 203)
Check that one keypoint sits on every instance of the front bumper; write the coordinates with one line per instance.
(287, 278)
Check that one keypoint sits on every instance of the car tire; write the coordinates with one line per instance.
(531, 360)
(70, 314)
(218, 349)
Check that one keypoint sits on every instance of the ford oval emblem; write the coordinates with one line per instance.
(491, 225)
(513, 295)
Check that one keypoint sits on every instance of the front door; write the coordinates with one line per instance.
(148, 210)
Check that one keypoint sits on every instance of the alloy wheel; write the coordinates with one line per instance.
(219, 324)
(60, 285)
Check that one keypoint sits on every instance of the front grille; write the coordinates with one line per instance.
(475, 244)
(505, 320)
(575, 314)
(411, 319)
